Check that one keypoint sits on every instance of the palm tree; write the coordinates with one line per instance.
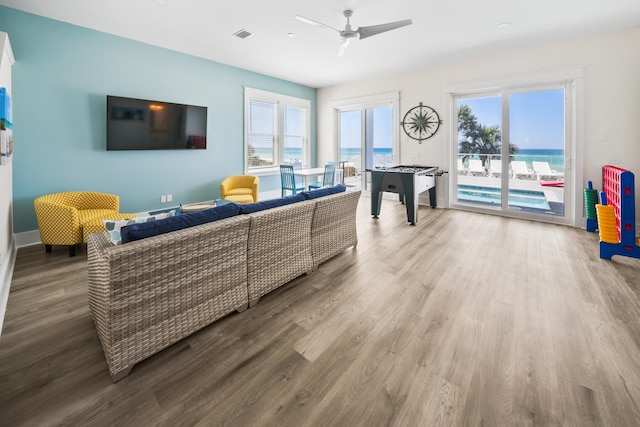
(476, 138)
(489, 141)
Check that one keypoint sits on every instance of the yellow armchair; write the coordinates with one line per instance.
(68, 218)
(240, 188)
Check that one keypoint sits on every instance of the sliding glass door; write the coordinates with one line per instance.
(366, 141)
(511, 151)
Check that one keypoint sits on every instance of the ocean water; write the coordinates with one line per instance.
(554, 157)
(346, 154)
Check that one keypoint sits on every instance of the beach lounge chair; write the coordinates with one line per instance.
(519, 170)
(495, 168)
(461, 169)
(544, 172)
(475, 167)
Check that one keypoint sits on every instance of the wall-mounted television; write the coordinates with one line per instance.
(140, 124)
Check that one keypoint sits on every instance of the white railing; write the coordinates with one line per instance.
(555, 162)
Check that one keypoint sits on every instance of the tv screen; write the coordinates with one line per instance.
(140, 124)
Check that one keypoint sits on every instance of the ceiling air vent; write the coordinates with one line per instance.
(243, 34)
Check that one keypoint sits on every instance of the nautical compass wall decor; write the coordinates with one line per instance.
(421, 122)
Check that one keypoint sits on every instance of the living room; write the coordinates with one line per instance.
(63, 72)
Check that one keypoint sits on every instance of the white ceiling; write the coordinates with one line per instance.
(442, 30)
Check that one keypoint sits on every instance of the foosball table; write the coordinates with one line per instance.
(406, 181)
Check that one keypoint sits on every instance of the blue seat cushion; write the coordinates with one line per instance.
(325, 191)
(248, 208)
(135, 232)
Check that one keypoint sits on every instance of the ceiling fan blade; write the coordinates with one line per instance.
(372, 30)
(343, 46)
(312, 22)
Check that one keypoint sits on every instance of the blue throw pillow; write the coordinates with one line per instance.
(248, 208)
(325, 191)
(135, 232)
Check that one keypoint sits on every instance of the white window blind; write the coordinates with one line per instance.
(262, 134)
(293, 135)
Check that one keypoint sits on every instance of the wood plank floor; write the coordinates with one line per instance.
(463, 320)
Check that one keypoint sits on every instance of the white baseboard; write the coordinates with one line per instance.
(27, 238)
(6, 274)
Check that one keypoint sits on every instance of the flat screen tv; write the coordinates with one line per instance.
(140, 124)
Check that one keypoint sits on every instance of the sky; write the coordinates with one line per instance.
(350, 127)
(536, 119)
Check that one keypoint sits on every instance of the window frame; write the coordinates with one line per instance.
(281, 102)
(362, 104)
(573, 82)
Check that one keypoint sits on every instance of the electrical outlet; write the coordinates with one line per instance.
(163, 199)
(169, 197)
(614, 160)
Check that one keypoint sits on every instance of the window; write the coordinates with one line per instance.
(294, 137)
(528, 126)
(367, 135)
(261, 134)
(513, 146)
(276, 130)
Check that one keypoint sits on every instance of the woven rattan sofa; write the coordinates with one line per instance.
(148, 294)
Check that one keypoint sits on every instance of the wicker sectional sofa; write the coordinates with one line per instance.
(148, 294)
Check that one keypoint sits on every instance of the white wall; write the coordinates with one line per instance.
(611, 100)
(7, 249)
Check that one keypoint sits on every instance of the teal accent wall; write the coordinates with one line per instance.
(61, 78)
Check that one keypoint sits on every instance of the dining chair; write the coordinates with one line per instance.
(328, 177)
(289, 180)
(339, 171)
(297, 165)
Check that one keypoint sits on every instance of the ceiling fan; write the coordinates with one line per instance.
(363, 32)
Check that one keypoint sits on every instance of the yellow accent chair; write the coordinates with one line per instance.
(240, 188)
(68, 218)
